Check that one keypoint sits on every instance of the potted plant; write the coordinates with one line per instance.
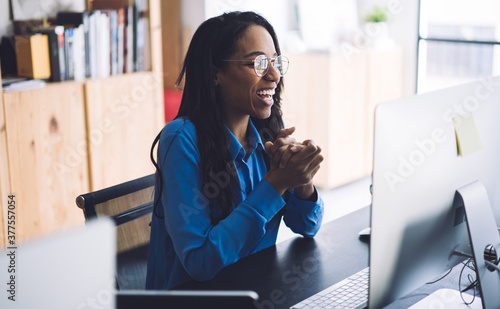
(378, 15)
(376, 26)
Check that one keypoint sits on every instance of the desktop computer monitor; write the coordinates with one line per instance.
(418, 166)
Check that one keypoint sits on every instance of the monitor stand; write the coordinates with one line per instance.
(484, 238)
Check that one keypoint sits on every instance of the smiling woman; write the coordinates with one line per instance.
(227, 171)
(244, 93)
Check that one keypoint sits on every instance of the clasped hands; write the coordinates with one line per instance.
(293, 164)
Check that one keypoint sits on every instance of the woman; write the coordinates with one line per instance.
(227, 171)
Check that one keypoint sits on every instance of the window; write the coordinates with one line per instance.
(459, 41)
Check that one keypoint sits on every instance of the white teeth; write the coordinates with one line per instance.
(266, 92)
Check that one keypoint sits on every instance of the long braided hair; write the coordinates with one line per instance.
(216, 39)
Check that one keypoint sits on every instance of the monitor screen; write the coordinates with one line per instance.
(426, 147)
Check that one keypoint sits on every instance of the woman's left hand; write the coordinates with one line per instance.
(306, 192)
(283, 148)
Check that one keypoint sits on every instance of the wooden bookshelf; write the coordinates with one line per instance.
(124, 113)
(73, 137)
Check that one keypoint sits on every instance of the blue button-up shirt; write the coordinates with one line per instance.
(185, 244)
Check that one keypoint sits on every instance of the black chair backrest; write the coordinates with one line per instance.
(130, 206)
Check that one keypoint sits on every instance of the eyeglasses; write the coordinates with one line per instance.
(261, 64)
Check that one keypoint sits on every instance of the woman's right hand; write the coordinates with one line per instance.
(299, 170)
(283, 148)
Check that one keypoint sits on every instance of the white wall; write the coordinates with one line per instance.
(5, 24)
(36, 9)
(403, 28)
(403, 25)
(192, 14)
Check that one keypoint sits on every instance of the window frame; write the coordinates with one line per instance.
(420, 39)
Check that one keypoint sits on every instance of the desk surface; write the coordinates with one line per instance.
(293, 270)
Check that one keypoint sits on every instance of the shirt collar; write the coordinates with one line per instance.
(254, 141)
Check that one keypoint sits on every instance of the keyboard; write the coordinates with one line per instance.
(352, 293)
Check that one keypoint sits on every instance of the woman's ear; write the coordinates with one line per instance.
(217, 77)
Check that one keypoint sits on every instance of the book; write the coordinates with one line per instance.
(114, 41)
(129, 40)
(87, 42)
(24, 85)
(121, 40)
(93, 38)
(146, 42)
(142, 36)
(74, 20)
(118, 31)
(79, 54)
(55, 36)
(32, 56)
(103, 53)
(68, 51)
(137, 37)
(9, 80)
(8, 55)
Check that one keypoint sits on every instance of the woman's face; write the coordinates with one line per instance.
(242, 92)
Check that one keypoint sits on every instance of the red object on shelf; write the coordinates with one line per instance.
(172, 101)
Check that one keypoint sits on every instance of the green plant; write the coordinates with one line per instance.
(378, 15)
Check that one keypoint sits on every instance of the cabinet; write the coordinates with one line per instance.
(124, 114)
(331, 99)
(73, 137)
(47, 157)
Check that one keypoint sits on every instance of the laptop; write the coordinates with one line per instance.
(71, 269)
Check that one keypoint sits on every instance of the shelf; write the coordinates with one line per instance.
(71, 138)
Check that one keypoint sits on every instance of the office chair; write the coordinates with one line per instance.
(130, 206)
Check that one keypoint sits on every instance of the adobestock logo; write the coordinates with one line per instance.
(103, 298)
(365, 37)
(201, 200)
(407, 165)
(121, 110)
(482, 91)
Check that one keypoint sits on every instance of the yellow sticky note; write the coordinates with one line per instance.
(468, 139)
